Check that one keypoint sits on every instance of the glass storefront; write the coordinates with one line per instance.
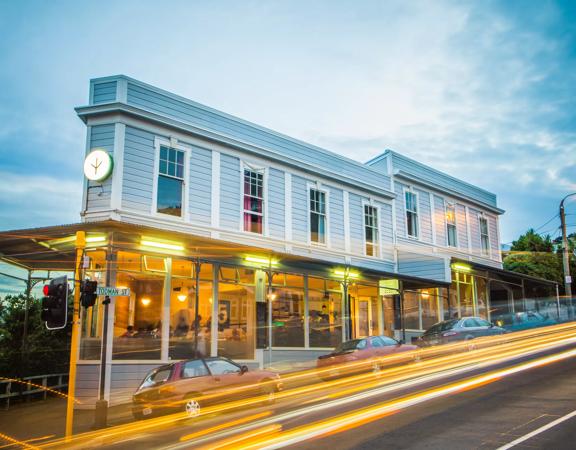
(367, 311)
(236, 312)
(287, 299)
(185, 341)
(324, 313)
(421, 309)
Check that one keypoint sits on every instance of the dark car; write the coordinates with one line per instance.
(371, 350)
(190, 385)
(455, 330)
(523, 321)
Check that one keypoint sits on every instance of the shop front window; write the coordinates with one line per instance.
(287, 299)
(324, 312)
(429, 308)
(138, 317)
(185, 341)
(366, 310)
(236, 313)
(481, 297)
(465, 294)
(411, 311)
(92, 318)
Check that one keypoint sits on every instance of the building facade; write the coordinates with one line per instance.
(238, 241)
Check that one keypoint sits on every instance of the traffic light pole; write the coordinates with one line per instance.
(80, 245)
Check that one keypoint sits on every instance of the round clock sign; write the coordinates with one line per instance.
(98, 165)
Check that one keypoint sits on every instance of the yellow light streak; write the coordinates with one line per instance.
(162, 245)
(39, 386)
(13, 441)
(232, 423)
(436, 363)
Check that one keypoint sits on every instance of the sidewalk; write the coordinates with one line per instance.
(47, 419)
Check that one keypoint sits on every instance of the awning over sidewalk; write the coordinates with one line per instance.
(52, 248)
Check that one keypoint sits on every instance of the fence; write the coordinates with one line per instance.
(27, 388)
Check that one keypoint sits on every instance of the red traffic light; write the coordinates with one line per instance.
(46, 290)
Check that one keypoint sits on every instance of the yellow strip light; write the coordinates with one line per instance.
(162, 245)
(92, 239)
(461, 267)
(255, 259)
(343, 274)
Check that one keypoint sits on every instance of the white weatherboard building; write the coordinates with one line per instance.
(228, 234)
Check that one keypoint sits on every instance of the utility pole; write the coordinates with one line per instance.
(566, 255)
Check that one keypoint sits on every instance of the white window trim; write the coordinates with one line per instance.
(372, 204)
(185, 187)
(318, 187)
(418, 227)
(489, 250)
(453, 204)
(265, 172)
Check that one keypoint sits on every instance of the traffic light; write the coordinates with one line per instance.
(88, 293)
(55, 303)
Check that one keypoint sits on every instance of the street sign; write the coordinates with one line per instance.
(112, 291)
(568, 279)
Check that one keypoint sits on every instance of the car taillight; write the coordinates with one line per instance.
(449, 333)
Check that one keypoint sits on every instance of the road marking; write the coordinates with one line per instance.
(538, 431)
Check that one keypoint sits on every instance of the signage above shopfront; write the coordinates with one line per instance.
(98, 165)
(113, 291)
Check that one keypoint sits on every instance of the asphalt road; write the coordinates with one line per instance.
(484, 418)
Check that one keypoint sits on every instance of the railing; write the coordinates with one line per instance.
(29, 386)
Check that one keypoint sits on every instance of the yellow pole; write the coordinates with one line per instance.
(80, 244)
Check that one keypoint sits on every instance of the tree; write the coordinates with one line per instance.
(45, 351)
(537, 256)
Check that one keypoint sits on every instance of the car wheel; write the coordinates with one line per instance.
(138, 415)
(471, 345)
(416, 357)
(376, 368)
(192, 407)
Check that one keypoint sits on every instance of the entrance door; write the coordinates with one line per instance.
(364, 318)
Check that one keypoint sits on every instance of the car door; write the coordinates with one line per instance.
(471, 328)
(194, 377)
(229, 379)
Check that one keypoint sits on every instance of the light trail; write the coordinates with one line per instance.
(365, 415)
(436, 363)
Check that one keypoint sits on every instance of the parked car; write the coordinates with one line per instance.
(523, 321)
(455, 330)
(193, 384)
(363, 354)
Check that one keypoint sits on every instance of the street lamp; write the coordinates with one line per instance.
(565, 251)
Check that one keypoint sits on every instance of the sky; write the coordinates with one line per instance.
(482, 90)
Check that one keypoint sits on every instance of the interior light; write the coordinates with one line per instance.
(162, 245)
(346, 274)
(461, 267)
(92, 239)
(425, 294)
(259, 260)
(145, 301)
(181, 297)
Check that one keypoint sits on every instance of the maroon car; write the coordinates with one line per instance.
(363, 354)
(190, 385)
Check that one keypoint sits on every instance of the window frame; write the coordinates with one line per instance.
(417, 213)
(484, 252)
(264, 170)
(319, 188)
(378, 244)
(451, 204)
(160, 142)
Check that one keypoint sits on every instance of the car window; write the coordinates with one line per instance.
(470, 323)
(377, 342)
(535, 317)
(483, 323)
(158, 376)
(362, 344)
(221, 367)
(388, 341)
(195, 368)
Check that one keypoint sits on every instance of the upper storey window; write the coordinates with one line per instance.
(372, 235)
(484, 239)
(170, 181)
(317, 216)
(253, 200)
(451, 225)
(411, 214)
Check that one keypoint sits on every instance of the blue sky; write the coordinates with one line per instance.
(485, 91)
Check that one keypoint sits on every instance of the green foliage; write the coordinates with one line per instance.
(532, 242)
(537, 256)
(46, 351)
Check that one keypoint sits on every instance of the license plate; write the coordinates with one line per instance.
(147, 411)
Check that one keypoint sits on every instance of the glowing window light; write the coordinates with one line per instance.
(259, 260)
(461, 267)
(93, 239)
(344, 274)
(145, 301)
(162, 245)
(181, 297)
